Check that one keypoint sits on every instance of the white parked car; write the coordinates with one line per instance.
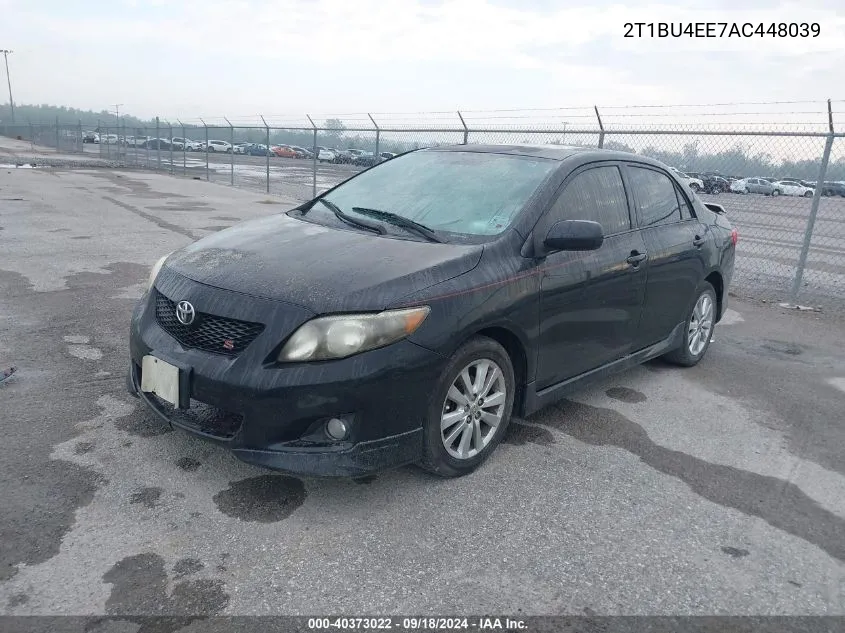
(187, 144)
(326, 155)
(794, 189)
(240, 148)
(696, 184)
(110, 139)
(739, 186)
(219, 146)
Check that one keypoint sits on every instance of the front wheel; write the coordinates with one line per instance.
(471, 408)
(775, 193)
(808, 194)
(695, 188)
(698, 329)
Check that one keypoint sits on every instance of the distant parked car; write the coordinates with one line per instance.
(109, 139)
(240, 148)
(283, 151)
(833, 189)
(715, 184)
(218, 146)
(301, 152)
(755, 185)
(387, 155)
(787, 188)
(257, 149)
(326, 155)
(187, 144)
(91, 137)
(157, 143)
(696, 184)
(367, 160)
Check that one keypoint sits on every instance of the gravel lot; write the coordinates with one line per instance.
(714, 490)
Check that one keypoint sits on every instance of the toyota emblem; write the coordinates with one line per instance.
(185, 312)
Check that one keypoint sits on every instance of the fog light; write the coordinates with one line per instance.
(336, 429)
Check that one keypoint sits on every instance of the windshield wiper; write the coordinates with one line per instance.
(400, 220)
(350, 220)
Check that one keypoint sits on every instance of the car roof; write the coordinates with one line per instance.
(553, 152)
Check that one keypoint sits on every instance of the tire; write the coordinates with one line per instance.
(775, 193)
(688, 355)
(808, 194)
(211, 149)
(695, 187)
(471, 357)
(229, 151)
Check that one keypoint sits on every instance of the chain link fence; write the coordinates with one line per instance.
(783, 186)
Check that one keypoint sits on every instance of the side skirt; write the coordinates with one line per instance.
(536, 400)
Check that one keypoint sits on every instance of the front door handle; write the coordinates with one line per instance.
(698, 241)
(635, 258)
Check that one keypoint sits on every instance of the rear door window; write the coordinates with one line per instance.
(656, 197)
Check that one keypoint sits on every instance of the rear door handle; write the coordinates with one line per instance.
(698, 241)
(635, 258)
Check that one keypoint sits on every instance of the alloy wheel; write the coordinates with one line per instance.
(701, 324)
(473, 409)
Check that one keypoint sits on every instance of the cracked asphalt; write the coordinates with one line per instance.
(714, 490)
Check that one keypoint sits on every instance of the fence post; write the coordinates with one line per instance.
(267, 153)
(466, 130)
(79, 135)
(31, 137)
(601, 127)
(232, 143)
(184, 149)
(316, 152)
(206, 148)
(378, 131)
(170, 138)
(158, 146)
(814, 209)
(57, 135)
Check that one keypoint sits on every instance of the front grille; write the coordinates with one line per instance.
(208, 332)
(203, 417)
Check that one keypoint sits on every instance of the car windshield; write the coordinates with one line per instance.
(472, 193)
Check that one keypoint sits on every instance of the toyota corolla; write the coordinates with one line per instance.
(407, 314)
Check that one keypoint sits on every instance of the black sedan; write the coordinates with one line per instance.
(156, 143)
(833, 189)
(406, 314)
(366, 160)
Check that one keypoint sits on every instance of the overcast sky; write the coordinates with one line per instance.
(208, 58)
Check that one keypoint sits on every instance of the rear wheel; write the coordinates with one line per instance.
(808, 194)
(471, 409)
(698, 329)
(775, 193)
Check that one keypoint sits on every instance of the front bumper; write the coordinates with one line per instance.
(272, 415)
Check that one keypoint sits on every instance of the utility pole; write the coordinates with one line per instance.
(9, 81)
(117, 112)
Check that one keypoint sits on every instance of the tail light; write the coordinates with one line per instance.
(734, 236)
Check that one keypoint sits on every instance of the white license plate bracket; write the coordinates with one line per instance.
(165, 380)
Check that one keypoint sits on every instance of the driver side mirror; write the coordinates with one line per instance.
(574, 235)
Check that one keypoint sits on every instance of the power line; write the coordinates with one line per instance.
(9, 81)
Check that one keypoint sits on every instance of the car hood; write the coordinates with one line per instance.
(323, 269)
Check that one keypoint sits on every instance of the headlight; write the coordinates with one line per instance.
(340, 336)
(154, 272)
